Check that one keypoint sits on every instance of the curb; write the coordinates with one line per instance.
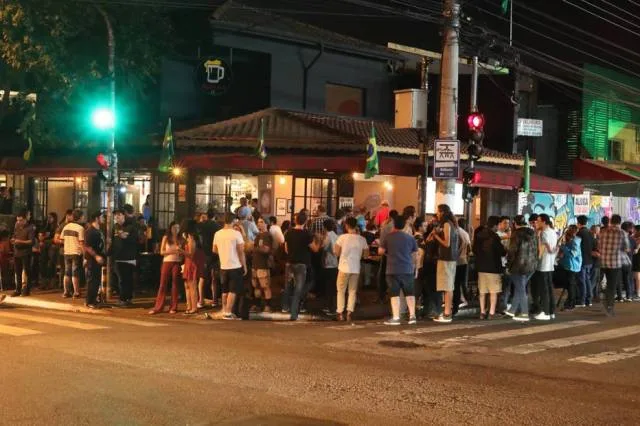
(32, 302)
(270, 316)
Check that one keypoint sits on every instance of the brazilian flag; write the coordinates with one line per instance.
(28, 154)
(168, 153)
(505, 6)
(372, 167)
(261, 151)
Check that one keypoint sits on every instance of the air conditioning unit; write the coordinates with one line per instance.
(411, 109)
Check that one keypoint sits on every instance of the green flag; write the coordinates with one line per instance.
(28, 154)
(526, 174)
(505, 6)
(372, 168)
(166, 160)
(261, 151)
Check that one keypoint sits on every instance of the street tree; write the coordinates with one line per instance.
(57, 49)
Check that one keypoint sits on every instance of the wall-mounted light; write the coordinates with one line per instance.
(283, 180)
(176, 171)
(123, 189)
(388, 186)
(78, 180)
(207, 181)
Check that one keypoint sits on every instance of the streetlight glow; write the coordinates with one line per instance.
(103, 119)
(176, 171)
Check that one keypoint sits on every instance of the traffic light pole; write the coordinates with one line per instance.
(113, 155)
(448, 123)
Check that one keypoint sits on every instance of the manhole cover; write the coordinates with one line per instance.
(399, 344)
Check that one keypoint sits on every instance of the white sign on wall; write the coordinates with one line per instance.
(581, 204)
(529, 127)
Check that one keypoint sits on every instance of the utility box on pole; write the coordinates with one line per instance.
(411, 109)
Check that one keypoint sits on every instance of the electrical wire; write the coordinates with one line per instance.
(619, 8)
(637, 34)
(601, 9)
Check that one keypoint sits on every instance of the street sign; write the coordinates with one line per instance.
(529, 127)
(446, 159)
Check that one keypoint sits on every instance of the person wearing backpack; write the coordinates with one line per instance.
(522, 261)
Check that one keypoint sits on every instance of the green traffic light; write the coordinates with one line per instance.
(103, 119)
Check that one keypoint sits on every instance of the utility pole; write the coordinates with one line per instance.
(448, 121)
(423, 136)
(112, 154)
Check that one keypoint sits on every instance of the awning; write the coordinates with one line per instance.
(599, 171)
(512, 180)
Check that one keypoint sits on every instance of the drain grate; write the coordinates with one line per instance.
(400, 344)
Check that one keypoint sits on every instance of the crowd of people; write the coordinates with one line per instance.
(421, 264)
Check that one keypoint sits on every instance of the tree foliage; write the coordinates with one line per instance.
(58, 50)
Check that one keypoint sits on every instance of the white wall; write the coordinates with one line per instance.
(60, 197)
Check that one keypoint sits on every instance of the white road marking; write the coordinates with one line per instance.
(518, 332)
(347, 327)
(566, 342)
(109, 319)
(606, 357)
(53, 321)
(17, 331)
(434, 329)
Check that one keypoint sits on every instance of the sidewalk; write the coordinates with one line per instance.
(368, 309)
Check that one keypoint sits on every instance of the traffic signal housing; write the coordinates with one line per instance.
(470, 177)
(475, 120)
(104, 162)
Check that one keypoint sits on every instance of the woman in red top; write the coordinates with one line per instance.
(194, 264)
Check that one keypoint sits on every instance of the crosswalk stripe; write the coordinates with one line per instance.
(519, 332)
(606, 357)
(17, 331)
(53, 321)
(110, 319)
(434, 329)
(573, 341)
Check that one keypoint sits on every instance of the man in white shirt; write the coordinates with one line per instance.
(276, 232)
(229, 246)
(351, 248)
(547, 250)
(73, 237)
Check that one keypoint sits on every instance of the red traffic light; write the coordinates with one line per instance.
(475, 121)
(103, 161)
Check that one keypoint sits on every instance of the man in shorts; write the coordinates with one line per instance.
(73, 237)
(260, 271)
(229, 245)
(400, 249)
(489, 250)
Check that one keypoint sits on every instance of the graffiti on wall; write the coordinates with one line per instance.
(564, 209)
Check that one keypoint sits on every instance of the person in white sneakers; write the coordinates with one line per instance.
(547, 251)
(351, 248)
(229, 245)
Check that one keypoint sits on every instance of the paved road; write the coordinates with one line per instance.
(124, 369)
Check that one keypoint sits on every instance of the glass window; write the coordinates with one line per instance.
(313, 192)
(344, 100)
(40, 199)
(211, 192)
(81, 194)
(166, 203)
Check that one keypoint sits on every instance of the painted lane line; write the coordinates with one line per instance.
(434, 329)
(606, 357)
(52, 321)
(108, 319)
(573, 341)
(519, 332)
(17, 331)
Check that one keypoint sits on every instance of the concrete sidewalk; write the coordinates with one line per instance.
(52, 299)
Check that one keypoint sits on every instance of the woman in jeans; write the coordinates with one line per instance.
(171, 252)
(522, 260)
(571, 263)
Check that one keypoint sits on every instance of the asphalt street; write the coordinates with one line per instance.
(125, 368)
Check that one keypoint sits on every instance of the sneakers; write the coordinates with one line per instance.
(413, 321)
(542, 317)
(463, 305)
(393, 321)
(509, 314)
(229, 317)
(581, 306)
(445, 319)
(521, 317)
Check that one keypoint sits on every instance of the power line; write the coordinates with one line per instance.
(619, 8)
(602, 17)
(601, 9)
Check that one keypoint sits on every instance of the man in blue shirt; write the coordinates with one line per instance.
(400, 249)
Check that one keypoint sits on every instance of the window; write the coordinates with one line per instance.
(615, 150)
(40, 199)
(211, 192)
(344, 100)
(16, 183)
(309, 193)
(81, 194)
(165, 203)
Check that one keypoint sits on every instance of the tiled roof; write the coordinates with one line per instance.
(287, 129)
(256, 19)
